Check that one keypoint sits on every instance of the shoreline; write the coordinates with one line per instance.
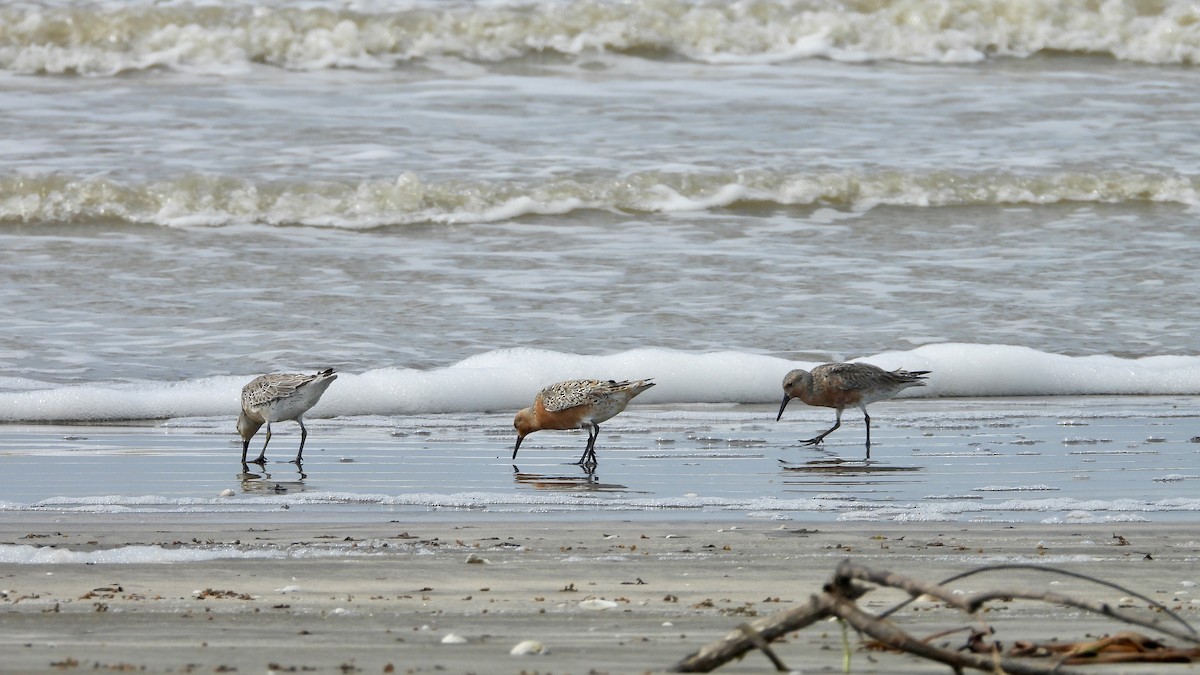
(1065, 460)
(296, 595)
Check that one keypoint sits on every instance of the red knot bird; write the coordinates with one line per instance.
(837, 385)
(278, 397)
(577, 404)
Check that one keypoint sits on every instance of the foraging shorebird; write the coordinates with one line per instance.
(577, 404)
(837, 385)
(278, 397)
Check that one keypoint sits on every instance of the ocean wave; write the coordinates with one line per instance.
(507, 379)
(100, 39)
(199, 200)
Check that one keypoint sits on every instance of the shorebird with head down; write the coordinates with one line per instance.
(837, 385)
(277, 397)
(577, 404)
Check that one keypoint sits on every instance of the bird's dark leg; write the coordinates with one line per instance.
(262, 456)
(303, 435)
(245, 447)
(589, 453)
(592, 461)
(867, 418)
(817, 439)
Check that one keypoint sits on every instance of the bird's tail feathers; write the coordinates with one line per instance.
(638, 386)
(915, 378)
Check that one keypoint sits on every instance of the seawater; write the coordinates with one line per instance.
(455, 204)
(1050, 460)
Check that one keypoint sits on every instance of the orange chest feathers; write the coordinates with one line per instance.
(571, 418)
(830, 397)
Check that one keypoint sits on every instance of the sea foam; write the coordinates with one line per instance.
(845, 508)
(24, 554)
(196, 200)
(507, 379)
(104, 39)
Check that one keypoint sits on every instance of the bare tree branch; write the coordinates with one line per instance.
(839, 598)
(889, 634)
(763, 647)
(1194, 636)
(768, 628)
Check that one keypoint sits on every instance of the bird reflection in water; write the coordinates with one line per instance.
(826, 473)
(844, 467)
(263, 483)
(587, 482)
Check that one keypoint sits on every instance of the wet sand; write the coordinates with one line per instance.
(1036, 460)
(413, 545)
(387, 596)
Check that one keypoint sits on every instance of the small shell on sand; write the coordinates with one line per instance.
(530, 648)
(453, 639)
(227, 492)
(596, 603)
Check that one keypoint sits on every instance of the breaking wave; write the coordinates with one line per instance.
(199, 200)
(102, 39)
(507, 379)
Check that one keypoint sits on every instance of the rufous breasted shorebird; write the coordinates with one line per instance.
(837, 385)
(577, 404)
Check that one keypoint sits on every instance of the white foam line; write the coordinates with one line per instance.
(507, 379)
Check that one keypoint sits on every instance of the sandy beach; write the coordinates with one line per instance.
(290, 595)
(456, 204)
(411, 544)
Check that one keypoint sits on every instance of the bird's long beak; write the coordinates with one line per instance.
(783, 405)
(517, 446)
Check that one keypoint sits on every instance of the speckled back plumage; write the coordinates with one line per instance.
(277, 397)
(873, 382)
(577, 404)
(275, 389)
(572, 393)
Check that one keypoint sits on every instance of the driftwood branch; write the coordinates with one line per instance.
(768, 628)
(1187, 633)
(761, 645)
(838, 600)
(889, 634)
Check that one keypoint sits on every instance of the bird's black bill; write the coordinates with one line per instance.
(783, 405)
(517, 446)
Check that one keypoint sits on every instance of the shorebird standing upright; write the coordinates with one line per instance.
(837, 385)
(577, 404)
(277, 397)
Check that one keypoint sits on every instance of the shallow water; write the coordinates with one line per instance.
(455, 204)
(1046, 460)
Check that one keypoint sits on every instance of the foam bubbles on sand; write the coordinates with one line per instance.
(45, 555)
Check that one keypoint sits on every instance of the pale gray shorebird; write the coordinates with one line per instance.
(577, 404)
(278, 397)
(837, 385)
